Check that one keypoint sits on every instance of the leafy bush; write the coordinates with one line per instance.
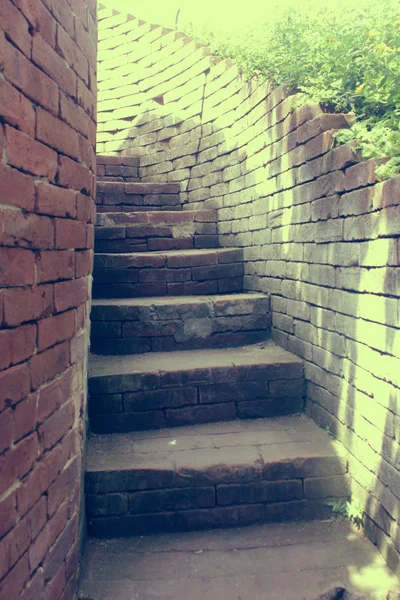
(346, 58)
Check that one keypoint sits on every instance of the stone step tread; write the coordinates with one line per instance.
(129, 231)
(190, 253)
(178, 301)
(126, 208)
(103, 159)
(174, 259)
(117, 179)
(113, 219)
(282, 436)
(117, 240)
(267, 353)
(149, 228)
(225, 453)
(121, 187)
(168, 273)
(304, 560)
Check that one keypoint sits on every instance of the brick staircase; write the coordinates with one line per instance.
(195, 414)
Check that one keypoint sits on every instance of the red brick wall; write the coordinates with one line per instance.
(47, 137)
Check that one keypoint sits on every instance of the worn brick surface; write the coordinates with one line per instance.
(238, 458)
(174, 271)
(212, 385)
(149, 231)
(128, 326)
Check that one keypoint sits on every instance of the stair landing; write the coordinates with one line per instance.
(286, 561)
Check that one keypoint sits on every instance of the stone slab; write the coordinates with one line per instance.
(244, 359)
(290, 561)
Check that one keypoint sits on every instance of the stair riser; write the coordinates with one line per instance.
(144, 418)
(115, 188)
(148, 238)
(186, 288)
(210, 518)
(105, 159)
(140, 345)
(139, 201)
(200, 504)
(128, 208)
(157, 400)
(141, 244)
(117, 168)
(155, 244)
(120, 178)
(118, 173)
(145, 196)
(123, 329)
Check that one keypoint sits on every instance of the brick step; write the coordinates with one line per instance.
(172, 273)
(120, 196)
(155, 230)
(134, 325)
(115, 178)
(157, 390)
(207, 476)
(117, 168)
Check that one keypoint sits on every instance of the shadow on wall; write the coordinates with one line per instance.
(338, 309)
(319, 232)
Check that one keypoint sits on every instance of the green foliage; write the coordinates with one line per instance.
(375, 138)
(346, 58)
(389, 169)
(355, 513)
(343, 509)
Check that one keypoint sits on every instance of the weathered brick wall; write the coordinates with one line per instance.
(320, 233)
(326, 249)
(47, 137)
